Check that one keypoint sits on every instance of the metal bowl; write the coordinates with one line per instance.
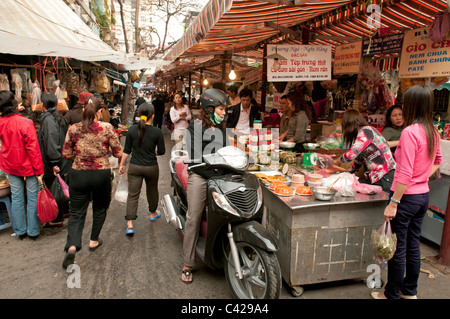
(287, 144)
(311, 146)
(320, 193)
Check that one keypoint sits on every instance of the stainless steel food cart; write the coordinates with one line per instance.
(323, 241)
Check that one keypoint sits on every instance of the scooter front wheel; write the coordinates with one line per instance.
(261, 273)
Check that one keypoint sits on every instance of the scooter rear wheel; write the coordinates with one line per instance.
(261, 273)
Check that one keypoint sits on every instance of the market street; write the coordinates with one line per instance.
(147, 265)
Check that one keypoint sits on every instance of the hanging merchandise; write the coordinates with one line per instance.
(376, 94)
(73, 83)
(49, 80)
(36, 97)
(103, 85)
(57, 90)
(4, 82)
(16, 80)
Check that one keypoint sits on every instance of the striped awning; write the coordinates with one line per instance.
(224, 25)
(237, 25)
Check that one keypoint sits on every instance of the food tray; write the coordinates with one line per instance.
(272, 173)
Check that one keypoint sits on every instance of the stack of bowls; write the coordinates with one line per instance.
(297, 180)
(315, 180)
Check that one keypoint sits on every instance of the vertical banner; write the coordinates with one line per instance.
(303, 63)
(422, 57)
(347, 58)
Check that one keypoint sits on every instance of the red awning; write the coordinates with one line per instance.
(236, 25)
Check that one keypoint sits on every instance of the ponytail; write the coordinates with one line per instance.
(146, 111)
(90, 109)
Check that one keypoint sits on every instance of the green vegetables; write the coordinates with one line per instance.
(383, 242)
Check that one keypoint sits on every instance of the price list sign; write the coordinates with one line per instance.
(303, 63)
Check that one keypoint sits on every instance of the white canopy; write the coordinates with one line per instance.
(51, 28)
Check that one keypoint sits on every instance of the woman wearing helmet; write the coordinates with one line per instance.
(207, 134)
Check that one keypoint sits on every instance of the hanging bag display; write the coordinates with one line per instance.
(46, 207)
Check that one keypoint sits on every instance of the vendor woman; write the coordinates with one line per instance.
(394, 126)
(296, 118)
(367, 146)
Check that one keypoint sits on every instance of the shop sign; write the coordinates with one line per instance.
(347, 58)
(422, 57)
(303, 63)
(387, 44)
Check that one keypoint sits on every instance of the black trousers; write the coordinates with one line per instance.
(83, 184)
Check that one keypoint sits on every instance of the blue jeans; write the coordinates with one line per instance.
(404, 267)
(24, 216)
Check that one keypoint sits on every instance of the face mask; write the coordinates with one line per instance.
(216, 119)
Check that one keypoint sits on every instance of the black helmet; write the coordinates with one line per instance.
(213, 97)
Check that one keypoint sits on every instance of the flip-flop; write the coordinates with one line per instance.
(187, 274)
(129, 232)
(68, 259)
(100, 242)
(158, 214)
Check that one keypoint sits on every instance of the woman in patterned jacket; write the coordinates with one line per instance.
(88, 144)
(367, 146)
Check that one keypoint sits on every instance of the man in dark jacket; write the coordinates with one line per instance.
(240, 117)
(75, 115)
(158, 104)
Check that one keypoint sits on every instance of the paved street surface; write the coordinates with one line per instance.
(148, 265)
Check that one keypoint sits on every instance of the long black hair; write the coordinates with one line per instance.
(50, 102)
(147, 110)
(8, 104)
(418, 102)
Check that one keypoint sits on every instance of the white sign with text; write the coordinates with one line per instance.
(303, 63)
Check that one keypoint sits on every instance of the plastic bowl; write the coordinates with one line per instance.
(321, 194)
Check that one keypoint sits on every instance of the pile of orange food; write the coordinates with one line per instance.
(303, 190)
(284, 190)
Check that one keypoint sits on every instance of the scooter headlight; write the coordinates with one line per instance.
(223, 203)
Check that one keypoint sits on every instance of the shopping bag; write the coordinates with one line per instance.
(46, 207)
(64, 186)
(383, 242)
(121, 190)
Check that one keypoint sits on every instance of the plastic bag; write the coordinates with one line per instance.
(46, 207)
(64, 186)
(365, 188)
(383, 242)
(57, 192)
(121, 190)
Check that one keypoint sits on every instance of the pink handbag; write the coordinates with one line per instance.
(64, 186)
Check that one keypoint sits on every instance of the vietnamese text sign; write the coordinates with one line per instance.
(303, 63)
(347, 58)
(423, 58)
(387, 44)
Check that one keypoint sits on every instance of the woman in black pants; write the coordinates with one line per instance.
(88, 144)
(144, 142)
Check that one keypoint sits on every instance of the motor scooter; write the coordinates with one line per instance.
(231, 236)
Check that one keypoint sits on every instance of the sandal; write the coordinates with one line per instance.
(68, 259)
(187, 274)
(158, 214)
(100, 242)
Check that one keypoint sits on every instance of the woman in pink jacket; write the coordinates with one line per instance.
(418, 156)
(20, 158)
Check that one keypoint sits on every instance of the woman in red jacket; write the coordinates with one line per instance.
(20, 158)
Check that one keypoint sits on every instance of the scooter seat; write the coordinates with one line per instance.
(181, 170)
